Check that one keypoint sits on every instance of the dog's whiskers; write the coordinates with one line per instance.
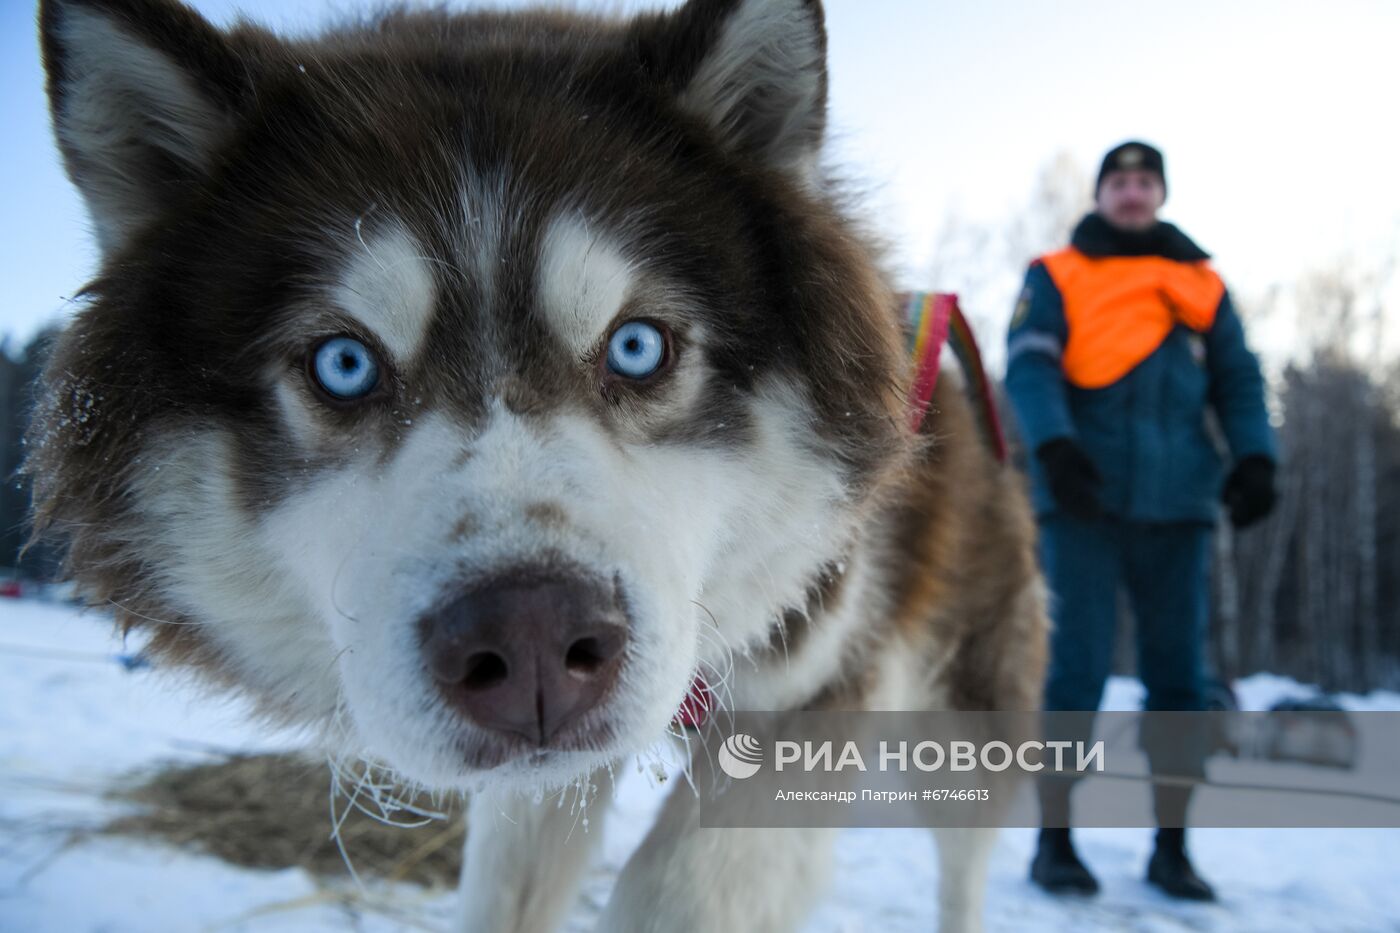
(145, 618)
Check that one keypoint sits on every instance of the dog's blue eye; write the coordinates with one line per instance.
(636, 350)
(345, 368)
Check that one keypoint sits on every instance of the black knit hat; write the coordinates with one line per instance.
(1133, 154)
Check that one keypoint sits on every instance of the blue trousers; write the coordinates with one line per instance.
(1165, 569)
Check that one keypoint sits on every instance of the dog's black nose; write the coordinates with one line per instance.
(527, 652)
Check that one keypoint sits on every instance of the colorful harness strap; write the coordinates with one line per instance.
(934, 319)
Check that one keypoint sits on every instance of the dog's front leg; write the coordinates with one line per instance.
(525, 855)
(706, 880)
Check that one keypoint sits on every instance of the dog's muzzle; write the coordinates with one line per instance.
(527, 652)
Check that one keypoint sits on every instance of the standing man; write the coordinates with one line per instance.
(1118, 346)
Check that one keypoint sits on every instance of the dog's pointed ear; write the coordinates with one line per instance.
(754, 69)
(142, 94)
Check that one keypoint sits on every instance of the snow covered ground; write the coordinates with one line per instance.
(71, 718)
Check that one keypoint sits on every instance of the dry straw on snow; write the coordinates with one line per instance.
(272, 812)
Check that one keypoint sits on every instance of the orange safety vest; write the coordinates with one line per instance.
(1119, 309)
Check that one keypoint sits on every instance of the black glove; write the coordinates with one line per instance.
(1074, 480)
(1249, 490)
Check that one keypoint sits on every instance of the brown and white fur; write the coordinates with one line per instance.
(481, 200)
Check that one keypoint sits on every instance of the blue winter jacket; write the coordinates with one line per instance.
(1147, 433)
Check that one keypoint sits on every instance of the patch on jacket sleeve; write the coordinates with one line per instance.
(1198, 348)
(1023, 308)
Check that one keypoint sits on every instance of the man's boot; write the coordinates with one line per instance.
(1057, 868)
(1170, 869)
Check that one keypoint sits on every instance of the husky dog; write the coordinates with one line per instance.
(475, 385)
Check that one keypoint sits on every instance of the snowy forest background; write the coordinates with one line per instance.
(1313, 592)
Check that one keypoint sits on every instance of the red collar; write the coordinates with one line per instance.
(696, 706)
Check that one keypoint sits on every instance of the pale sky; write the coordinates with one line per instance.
(1278, 120)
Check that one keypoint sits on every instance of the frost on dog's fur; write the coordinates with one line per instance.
(480, 201)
